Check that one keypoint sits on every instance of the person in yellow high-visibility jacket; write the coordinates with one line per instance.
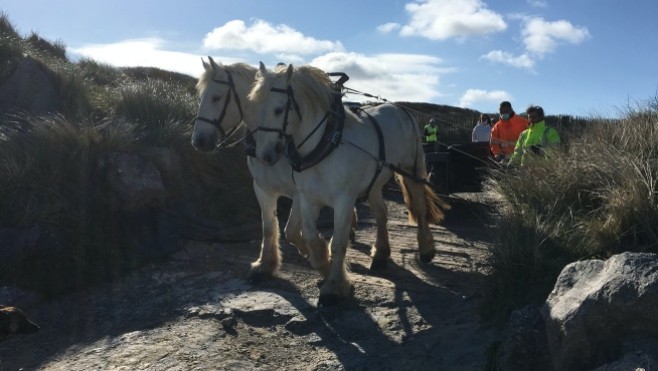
(536, 140)
(430, 132)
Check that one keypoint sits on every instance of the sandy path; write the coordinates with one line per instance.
(196, 311)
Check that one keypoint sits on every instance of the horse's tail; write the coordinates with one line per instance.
(429, 203)
(419, 197)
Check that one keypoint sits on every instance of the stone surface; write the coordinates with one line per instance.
(29, 89)
(134, 180)
(597, 306)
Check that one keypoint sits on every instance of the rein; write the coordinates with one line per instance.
(381, 159)
(407, 109)
(218, 121)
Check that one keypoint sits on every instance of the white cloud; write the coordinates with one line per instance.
(518, 61)
(542, 37)
(147, 52)
(445, 19)
(388, 27)
(290, 58)
(395, 77)
(539, 38)
(472, 96)
(261, 37)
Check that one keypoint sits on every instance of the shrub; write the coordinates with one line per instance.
(162, 110)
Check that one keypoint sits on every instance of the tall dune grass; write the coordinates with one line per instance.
(49, 165)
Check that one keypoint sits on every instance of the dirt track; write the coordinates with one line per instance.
(197, 311)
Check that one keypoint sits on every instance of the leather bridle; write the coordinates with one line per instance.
(291, 103)
(218, 121)
(329, 140)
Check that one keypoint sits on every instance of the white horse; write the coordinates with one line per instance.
(223, 107)
(292, 105)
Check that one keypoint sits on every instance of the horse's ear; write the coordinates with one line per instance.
(206, 66)
(289, 73)
(262, 70)
(213, 64)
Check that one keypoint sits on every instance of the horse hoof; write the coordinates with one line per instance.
(378, 265)
(329, 300)
(426, 258)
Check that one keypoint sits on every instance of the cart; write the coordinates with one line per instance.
(458, 167)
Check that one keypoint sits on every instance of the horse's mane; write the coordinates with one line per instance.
(311, 86)
(238, 70)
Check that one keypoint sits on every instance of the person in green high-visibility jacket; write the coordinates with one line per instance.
(537, 140)
(430, 132)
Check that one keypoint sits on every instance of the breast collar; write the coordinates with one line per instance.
(331, 137)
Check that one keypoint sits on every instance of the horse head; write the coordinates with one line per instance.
(277, 111)
(290, 103)
(223, 91)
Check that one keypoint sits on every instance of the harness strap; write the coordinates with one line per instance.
(331, 137)
(407, 174)
(249, 143)
(411, 119)
(382, 155)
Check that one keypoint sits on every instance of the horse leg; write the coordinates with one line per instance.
(293, 229)
(381, 250)
(269, 260)
(318, 251)
(355, 221)
(416, 200)
(337, 286)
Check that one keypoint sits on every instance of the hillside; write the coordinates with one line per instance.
(91, 155)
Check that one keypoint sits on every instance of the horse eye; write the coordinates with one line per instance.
(278, 111)
(216, 98)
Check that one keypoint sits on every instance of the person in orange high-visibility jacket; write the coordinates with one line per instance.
(505, 132)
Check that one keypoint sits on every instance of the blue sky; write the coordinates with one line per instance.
(578, 57)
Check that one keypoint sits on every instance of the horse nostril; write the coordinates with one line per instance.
(279, 147)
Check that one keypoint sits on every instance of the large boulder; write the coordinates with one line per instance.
(166, 160)
(138, 198)
(29, 89)
(600, 310)
(134, 181)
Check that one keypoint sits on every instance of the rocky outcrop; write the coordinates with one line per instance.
(600, 315)
(29, 89)
(600, 310)
(135, 182)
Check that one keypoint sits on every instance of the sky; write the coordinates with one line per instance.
(572, 57)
